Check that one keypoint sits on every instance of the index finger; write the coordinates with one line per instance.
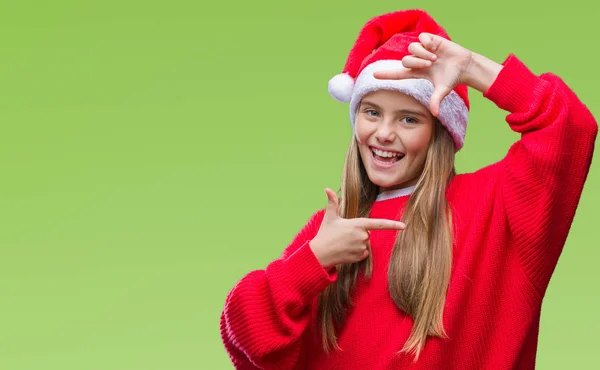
(393, 74)
(380, 224)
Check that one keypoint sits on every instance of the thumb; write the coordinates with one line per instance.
(331, 212)
(438, 95)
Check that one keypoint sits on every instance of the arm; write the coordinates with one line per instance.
(266, 313)
(543, 174)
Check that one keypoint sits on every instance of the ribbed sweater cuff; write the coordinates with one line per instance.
(303, 274)
(514, 87)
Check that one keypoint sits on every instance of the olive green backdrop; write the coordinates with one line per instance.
(152, 153)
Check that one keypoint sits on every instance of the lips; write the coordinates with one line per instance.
(386, 153)
(385, 158)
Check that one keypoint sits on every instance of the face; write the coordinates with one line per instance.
(393, 132)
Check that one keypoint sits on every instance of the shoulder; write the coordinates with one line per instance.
(472, 192)
(476, 181)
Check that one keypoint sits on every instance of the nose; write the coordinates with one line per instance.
(385, 132)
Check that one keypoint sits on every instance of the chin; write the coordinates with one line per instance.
(388, 183)
(385, 183)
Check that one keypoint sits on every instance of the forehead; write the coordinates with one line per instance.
(393, 100)
(390, 95)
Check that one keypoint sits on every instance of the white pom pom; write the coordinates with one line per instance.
(340, 87)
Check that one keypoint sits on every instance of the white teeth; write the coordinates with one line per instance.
(381, 153)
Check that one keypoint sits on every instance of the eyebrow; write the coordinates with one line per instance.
(403, 111)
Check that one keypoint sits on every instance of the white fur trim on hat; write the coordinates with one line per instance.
(453, 111)
(341, 87)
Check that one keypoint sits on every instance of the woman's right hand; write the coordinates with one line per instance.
(341, 240)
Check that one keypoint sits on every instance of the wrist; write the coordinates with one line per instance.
(317, 251)
(481, 72)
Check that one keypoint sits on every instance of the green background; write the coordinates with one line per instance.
(153, 153)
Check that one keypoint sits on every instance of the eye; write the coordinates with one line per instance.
(410, 120)
(371, 113)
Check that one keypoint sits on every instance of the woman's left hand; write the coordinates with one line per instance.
(438, 60)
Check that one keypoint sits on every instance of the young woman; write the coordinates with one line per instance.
(415, 267)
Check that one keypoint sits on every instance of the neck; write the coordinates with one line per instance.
(395, 193)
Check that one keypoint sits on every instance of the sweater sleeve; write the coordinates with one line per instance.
(266, 313)
(543, 174)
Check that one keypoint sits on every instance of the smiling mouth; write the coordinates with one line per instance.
(386, 158)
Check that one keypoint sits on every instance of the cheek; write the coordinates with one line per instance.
(418, 143)
(362, 131)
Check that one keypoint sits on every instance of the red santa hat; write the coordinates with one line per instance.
(381, 45)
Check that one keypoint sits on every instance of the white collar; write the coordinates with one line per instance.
(395, 193)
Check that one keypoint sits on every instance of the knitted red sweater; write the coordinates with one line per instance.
(511, 220)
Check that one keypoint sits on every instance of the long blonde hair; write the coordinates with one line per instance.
(420, 264)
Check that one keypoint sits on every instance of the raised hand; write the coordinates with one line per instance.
(341, 240)
(436, 59)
